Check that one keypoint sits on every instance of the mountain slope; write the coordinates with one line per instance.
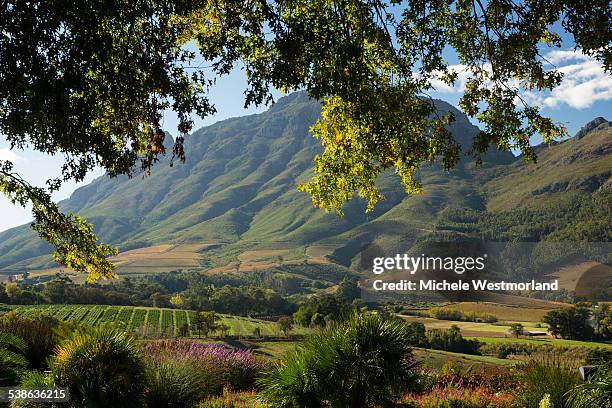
(234, 205)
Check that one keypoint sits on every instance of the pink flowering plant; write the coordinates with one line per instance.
(229, 368)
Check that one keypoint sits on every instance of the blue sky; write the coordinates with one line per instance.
(585, 93)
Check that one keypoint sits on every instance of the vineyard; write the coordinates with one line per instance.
(149, 321)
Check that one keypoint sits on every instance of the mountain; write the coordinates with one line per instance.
(233, 205)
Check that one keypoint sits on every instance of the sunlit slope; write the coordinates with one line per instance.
(236, 196)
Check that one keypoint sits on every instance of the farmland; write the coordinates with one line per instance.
(499, 332)
(545, 341)
(151, 321)
(534, 312)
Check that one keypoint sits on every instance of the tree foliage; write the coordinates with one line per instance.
(570, 323)
(90, 82)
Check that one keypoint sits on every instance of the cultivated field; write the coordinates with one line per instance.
(530, 312)
(499, 332)
(151, 321)
(474, 328)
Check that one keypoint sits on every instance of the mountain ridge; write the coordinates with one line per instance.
(236, 192)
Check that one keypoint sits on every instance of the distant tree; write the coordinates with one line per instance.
(59, 290)
(303, 316)
(603, 320)
(208, 322)
(257, 332)
(183, 330)
(13, 292)
(569, 323)
(317, 320)
(197, 321)
(177, 300)
(285, 323)
(348, 290)
(160, 300)
(417, 335)
(223, 329)
(517, 329)
(389, 313)
(452, 340)
(3, 295)
(117, 69)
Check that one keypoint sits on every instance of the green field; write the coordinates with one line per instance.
(554, 342)
(437, 358)
(151, 321)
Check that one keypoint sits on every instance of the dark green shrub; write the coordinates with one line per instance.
(38, 332)
(102, 368)
(359, 363)
(599, 356)
(12, 358)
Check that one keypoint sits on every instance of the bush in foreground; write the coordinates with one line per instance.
(361, 362)
(221, 366)
(38, 332)
(102, 368)
(173, 384)
(457, 397)
(548, 374)
(595, 393)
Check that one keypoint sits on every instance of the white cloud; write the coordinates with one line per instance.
(584, 82)
(558, 56)
(8, 154)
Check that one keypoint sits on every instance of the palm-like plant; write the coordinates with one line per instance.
(359, 363)
(595, 393)
(12, 359)
(102, 368)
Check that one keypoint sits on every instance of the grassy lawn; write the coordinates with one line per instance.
(437, 358)
(275, 349)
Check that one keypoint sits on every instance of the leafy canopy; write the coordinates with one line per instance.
(90, 82)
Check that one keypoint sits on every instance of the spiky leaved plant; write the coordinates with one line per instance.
(102, 368)
(361, 362)
(595, 393)
(12, 359)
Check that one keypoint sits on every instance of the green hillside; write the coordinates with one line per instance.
(233, 206)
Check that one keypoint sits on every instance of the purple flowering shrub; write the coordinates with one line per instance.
(226, 368)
